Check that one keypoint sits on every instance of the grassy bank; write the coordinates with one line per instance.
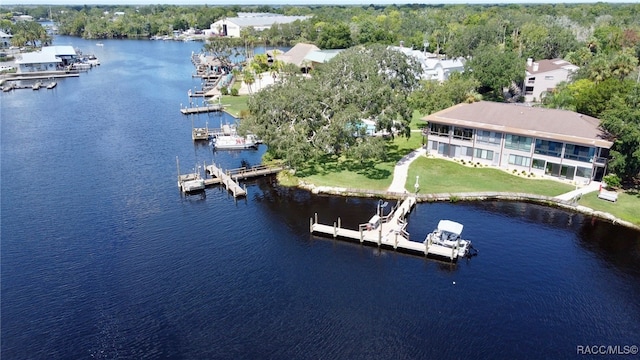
(235, 104)
(444, 176)
(341, 172)
(626, 208)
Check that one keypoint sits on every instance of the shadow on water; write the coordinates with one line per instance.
(621, 250)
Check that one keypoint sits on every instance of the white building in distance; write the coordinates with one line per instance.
(434, 67)
(544, 75)
(232, 26)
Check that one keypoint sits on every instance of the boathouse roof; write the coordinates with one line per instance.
(550, 124)
(38, 58)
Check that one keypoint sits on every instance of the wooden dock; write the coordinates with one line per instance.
(231, 184)
(254, 171)
(228, 178)
(383, 231)
(201, 109)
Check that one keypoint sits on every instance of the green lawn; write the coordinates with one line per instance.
(627, 207)
(444, 176)
(234, 104)
(341, 172)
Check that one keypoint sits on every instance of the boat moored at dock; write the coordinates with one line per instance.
(234, 142)
(390, 231)
(190, 183)
(445, 240)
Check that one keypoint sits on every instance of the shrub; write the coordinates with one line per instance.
(234, 92)
(612, 181)
(224, 91)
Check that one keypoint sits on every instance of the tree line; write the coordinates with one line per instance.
(602, 39)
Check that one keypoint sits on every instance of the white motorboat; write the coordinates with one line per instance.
(445, 240)
(93, 60)
(234, 142)
(189, 183)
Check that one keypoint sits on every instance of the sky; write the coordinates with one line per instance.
(290, 2)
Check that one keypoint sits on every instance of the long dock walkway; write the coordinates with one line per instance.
(201, 109)
(386, 231)
(231, 184)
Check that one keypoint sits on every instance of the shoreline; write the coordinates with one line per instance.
(475, 196)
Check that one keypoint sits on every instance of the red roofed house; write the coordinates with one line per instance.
(550, 142)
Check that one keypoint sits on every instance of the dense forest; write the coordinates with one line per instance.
(602, 39)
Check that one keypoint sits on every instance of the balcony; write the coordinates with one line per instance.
(601, 160)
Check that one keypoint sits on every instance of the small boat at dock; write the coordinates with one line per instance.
(227, 138)
(190, 183)
(445, 241)
(37, 86)
(51, 85)
(234, 142)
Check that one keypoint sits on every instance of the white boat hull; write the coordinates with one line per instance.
(193, 185)
(233, 142)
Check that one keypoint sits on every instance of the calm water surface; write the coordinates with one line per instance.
(102, 257)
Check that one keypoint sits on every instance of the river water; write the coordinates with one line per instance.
(102, 257)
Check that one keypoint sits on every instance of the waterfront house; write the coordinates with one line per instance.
(516, 137)
(317, 58)
(5, 39)
(50, 58)
(543, 76)
(232, 26)
(297, 56)
(434, 67)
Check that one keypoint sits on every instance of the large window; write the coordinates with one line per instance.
(483, 154)
(580, 153)
(488, 137)
(462, 133)
(439, 130)
(516, 142)
(538, 164)
(519, 160)
(583, 172)
(549, 148)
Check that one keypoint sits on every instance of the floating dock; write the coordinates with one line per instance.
(384, 231)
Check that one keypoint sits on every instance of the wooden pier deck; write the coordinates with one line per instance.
(254, 171)
(201, 109)
(228, 178)
(390, 233)
(230, 183)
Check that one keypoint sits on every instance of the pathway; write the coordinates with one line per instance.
(402, 168)
(593, 186)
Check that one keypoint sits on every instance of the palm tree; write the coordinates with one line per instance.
(248, 78)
